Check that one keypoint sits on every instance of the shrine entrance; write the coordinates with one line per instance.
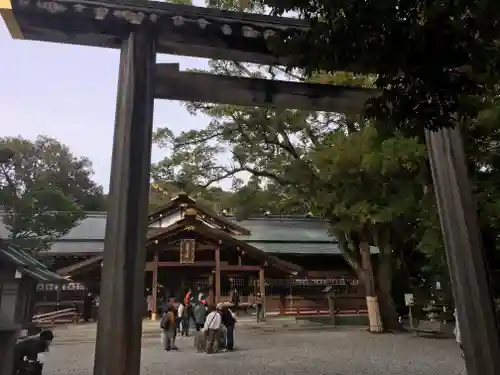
(191, 254)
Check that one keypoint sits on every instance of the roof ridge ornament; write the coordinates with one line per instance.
(51, 6)
(203, 23)
(226, 29)
(178, 20)
(250, 32)
(190, 212)
(131, 17)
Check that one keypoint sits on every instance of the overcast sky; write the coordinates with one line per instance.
(69, 93)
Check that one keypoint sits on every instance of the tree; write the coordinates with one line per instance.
(339, 166)
(395, 40)
(261, 196)
(371, 188)
(44, 190)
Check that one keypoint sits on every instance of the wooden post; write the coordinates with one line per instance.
(262, 290)
(217, 275)
(154, 287)
(282, 303)
(464, 251)
(331, 306)
(210, 297)
(119, 328)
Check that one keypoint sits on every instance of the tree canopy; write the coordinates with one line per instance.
(44, 191)
(427, 55)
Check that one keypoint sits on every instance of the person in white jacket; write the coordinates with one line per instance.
(211, 327)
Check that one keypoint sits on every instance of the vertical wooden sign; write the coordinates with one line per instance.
(187, 251)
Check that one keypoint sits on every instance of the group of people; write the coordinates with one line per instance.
(214, 324)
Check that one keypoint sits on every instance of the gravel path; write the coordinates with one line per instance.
(297, 353)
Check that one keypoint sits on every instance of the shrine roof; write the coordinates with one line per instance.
(279, 234)
(220, 237)
(181, 29)
(81, 266)
(292, 228)
(291, 234)
(183, 201)
(27, 264)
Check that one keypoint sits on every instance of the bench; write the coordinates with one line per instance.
(52, 318)
(430, 327)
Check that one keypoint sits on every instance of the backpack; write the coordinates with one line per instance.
(163, 322)
(166, 321)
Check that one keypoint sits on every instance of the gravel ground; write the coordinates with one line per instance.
(300, 353)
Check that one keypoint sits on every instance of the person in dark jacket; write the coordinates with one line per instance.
(228, 319)
(26, 353)
(168, 329)
(88, 301)
(200, 314)
(235, 298)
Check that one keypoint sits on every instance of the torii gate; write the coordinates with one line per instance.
(141, 29)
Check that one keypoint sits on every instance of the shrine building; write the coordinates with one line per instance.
(292, 260)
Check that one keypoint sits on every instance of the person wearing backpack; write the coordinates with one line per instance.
(200, 314)
(229, 321)
(168, 327)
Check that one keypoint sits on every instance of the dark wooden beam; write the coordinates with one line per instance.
(464, 251)
(240, 268)
(208, 263)
(181, 30)
(204, 87)
(119, 328)
(168, 247)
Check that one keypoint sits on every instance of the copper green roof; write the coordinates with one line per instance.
(286, 229)
(274, 234)
(27, 264)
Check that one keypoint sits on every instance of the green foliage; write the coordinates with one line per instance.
(39, 217)
(427, 55)
(369, 181)
(325, 161)
(182, 2)
(237, 5)
(44, 190)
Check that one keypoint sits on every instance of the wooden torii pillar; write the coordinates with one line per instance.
(118, 346)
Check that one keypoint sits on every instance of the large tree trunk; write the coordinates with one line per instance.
(359, 258)
(370, 289)
(387, 306)
(384, 281)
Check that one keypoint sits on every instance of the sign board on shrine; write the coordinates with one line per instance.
(187, 251)
(409, 299)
